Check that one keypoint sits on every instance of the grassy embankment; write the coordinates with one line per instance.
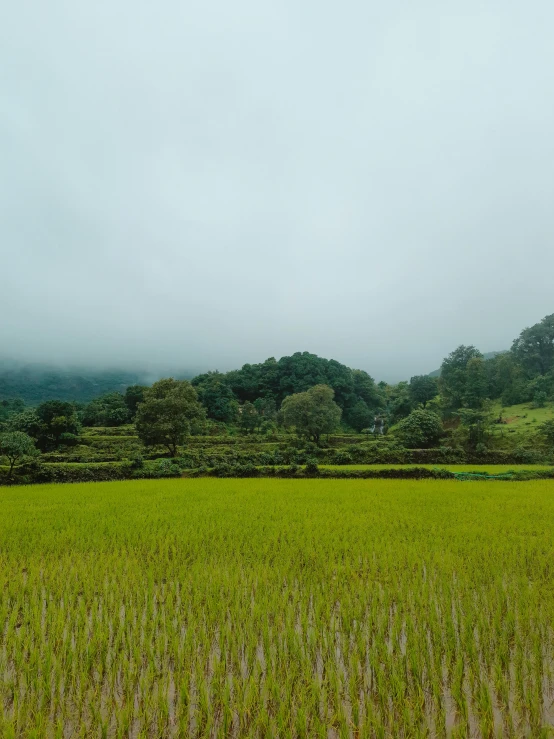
(521, 420)
(485, 468)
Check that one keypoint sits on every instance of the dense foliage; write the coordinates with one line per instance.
(17, 447)
(355, 391)
(305, 397)
(107, 410)
(53, 423)
(423, 388)
(35, 384)
(10, 408)
(420, 430)
(312, 413)
(167, 414)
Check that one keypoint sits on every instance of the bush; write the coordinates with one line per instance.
(546, 431)
(245, 470)
(343, 458)
(539, 399)
(222, 470)
(137, 463)
(524, 455)
(420, 430)
(452, 455)
(311, 467)
(67, 439)
(166, 468)
(75, 472)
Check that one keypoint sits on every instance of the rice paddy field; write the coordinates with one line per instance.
(277, 608)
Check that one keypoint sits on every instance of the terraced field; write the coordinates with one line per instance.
(491, 469)
(284, 608)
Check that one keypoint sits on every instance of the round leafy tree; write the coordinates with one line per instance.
(420, 430)
(312, 413)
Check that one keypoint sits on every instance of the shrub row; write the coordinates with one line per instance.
(163, 468)
(313, 471)
(93, 472)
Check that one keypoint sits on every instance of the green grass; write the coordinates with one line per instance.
(277, 608)
(490, 468)
(522, 418)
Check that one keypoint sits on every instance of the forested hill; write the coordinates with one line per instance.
(36, 383)
(273, 379)
(467, 377)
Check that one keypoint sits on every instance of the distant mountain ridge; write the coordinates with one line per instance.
(487, 355)
(36, 383)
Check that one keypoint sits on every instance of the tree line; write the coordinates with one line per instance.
(305, 393)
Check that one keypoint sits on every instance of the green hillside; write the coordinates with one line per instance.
(36, 383)
(521, 419)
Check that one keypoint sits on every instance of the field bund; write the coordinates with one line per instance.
(287, 608)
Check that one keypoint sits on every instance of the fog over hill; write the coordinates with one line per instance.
(35, 382)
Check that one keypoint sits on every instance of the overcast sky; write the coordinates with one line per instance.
(213, 182)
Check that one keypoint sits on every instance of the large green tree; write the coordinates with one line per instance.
(506, 378)
(423, 388)
(359, 416)
(52, 424)
(248, 417)
(10, 408)
(399, 402)
(107, 410)
(453, 378)
(475, 427)
(476, 383)
(276, 379)
(534, 347)
(312, 413)
(167, 414)
(365, 389)
(217, 397)
(59, 423)
(134, 395)
(17, 447)
(27, 421)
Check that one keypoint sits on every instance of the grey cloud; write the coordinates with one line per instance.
(207, 183)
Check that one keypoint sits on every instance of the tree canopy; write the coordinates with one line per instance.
(276, 379)
(134, 395)
(17, 447)
(107, 410)
(217, 397)
(52, 424)
(167, 414)
(453, 379)
(420, 430)
(423, 388)
(534, 347)
(312, 413)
